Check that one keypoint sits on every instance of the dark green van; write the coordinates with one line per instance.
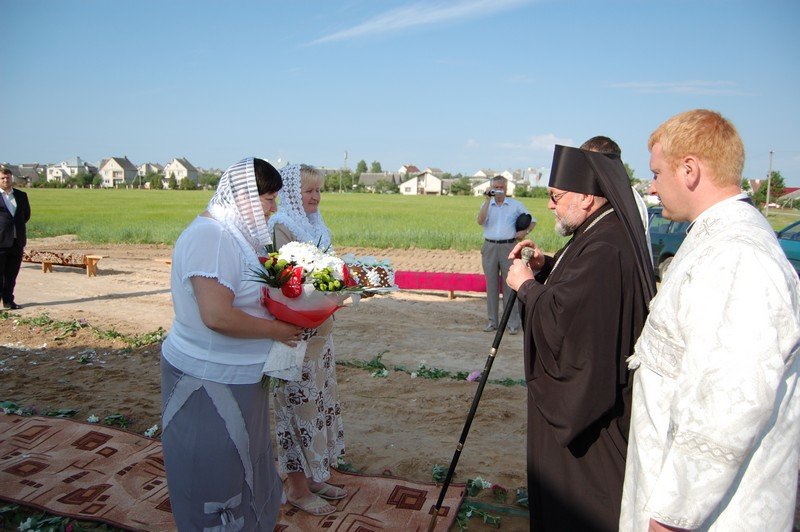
(666, 237)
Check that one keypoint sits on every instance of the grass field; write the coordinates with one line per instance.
(370, 220)
(374, 220)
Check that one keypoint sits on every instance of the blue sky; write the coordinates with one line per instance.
(460, 84)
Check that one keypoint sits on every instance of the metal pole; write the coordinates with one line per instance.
(508, 306)
(769, 183)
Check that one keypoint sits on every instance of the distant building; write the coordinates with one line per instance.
(24, 174)
(486, 173)
(180, 168)
(370, 179)
(149, 168)
(424, 183)
(117, 171)
(71, 167)
(408, 169)
(481, 188)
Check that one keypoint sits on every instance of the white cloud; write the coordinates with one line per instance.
(695, 87)
(472, 144)
(544, 143)
(421, 14)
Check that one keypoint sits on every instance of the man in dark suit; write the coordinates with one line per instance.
(15, 211)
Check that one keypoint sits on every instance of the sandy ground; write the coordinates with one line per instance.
(397, 425)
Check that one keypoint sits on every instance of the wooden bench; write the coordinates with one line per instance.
(449, 282)
(63, 258)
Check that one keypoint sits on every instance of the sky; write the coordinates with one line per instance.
(460, 85)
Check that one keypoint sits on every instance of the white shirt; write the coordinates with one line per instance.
(11, 204)
(206, 249)
(715, 426)
(500, 219)
(8, 199)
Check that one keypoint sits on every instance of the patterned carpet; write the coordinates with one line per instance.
(97, 473)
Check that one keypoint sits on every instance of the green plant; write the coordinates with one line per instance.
(439, 473)
(118, 420)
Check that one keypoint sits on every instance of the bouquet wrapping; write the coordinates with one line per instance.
(305, 286)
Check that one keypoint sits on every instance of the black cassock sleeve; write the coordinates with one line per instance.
(572, 339)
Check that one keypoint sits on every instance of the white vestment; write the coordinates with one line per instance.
(715, 426)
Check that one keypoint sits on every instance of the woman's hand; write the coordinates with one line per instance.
(285, 332)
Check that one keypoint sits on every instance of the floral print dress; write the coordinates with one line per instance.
(308, 421)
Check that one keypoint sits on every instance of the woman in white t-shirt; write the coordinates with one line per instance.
(217, 451)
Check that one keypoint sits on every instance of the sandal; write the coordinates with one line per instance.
(327, 491)
(315, 506)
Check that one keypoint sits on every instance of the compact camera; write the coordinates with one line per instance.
(495, 192)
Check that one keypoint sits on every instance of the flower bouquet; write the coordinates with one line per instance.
(304, 286)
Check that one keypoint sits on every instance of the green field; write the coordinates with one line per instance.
(370, 220)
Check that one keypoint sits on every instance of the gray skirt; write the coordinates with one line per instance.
(217, 453)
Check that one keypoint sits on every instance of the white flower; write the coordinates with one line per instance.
(93, 419)
(27, 524)
(413, 374)
(151, 431)
(484, 484)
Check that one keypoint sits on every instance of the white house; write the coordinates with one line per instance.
(149, 168)
(69, 168)
(180, 169)
(485, 173)
(117, 171)
(421, 184)
(481, 188)
(408, 169)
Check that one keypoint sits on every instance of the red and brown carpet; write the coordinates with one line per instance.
(97, 473)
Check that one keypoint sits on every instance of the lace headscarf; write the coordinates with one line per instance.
(237, 207)
(304, 227)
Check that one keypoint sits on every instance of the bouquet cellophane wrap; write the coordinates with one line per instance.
(309, 311)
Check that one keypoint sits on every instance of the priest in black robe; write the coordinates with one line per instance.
(582, 311)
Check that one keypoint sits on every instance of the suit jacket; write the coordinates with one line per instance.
(8, 223)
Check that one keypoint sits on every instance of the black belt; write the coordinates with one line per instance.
(510, 240)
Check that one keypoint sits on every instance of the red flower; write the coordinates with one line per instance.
(294, 286)
(348, 279)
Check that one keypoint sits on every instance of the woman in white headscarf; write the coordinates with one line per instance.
(308, 423)
(215, 413)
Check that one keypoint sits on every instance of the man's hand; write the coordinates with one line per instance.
(518, 273)
(537, 260)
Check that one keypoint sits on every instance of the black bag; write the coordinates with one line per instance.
(523, 222)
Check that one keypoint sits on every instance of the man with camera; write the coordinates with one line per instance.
(499, 216)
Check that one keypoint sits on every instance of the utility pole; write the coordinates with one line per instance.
(343, 169)
(769, 182)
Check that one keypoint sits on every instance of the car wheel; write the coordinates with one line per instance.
(662, 268)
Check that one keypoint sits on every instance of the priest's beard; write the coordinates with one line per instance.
(567, 224)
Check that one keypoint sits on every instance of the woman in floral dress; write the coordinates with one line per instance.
(308, 422)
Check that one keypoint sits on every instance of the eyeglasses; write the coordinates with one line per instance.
(555, 197)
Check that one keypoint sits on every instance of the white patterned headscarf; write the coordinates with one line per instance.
(237, 207)
(304, 227)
